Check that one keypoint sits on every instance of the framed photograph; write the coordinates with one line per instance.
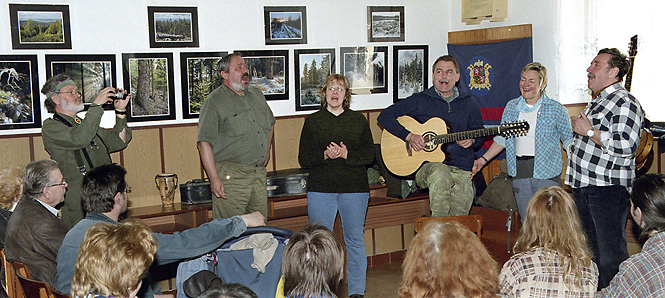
(173, 27)
(91, 73)
(199, 76)
(19, 92)
(366, 68)
(385, 23)
(36, 26)
(312, 68)
(285, 24)
(149, 78)
(269, 71)
(409, 70)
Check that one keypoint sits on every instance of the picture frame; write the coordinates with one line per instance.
(149, 78)
(40, 26)
(385, 23)
(173, 27)
(269, 71)
(92, 73)
(410, 65)
(312, 67)
(366, 68)
(199, 76)
(19, 92)
(285, 24)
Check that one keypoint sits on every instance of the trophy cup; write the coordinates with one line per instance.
(166, 184)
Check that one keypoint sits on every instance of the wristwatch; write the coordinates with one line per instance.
(590, 133)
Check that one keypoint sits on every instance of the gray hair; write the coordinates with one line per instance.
(37, 176)
(225, 63)
(50, 87)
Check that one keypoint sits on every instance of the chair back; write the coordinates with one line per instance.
(33, 288)
(473, 222)
(14, 289)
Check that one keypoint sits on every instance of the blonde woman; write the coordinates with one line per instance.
(11, 186)
(551, 258)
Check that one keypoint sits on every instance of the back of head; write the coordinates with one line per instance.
(648, 194)
(113, 259)
(37, 176)
(448, 260)
(99, 187)
(234, 290)
(11, 181)
(313, 263)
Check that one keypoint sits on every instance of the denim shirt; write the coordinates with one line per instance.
(171, 247)
(552, 128)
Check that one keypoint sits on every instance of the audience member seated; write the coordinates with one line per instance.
(34, 231)
(113, 259)
(551, 258)
(312, 264)
(643, 274)
(448, 260)
(10, 192)
(206, 284)
(105, 196)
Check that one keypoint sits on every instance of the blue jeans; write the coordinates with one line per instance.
(603, 211)
(352, 207)
(524, 190)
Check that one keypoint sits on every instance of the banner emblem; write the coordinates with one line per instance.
(480, 79)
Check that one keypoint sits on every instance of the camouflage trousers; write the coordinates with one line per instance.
(450, 189)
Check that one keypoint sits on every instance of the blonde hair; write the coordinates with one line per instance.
(542, 73)
(342, 80)
(552, 223)
(113, 259)
(448, 260)
(11, 185)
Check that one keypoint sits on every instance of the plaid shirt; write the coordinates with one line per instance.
(617, 112)
(537, 273)
(643, 275)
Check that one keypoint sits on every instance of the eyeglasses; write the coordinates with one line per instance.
(73, 92)
(333, 88)
(63, 183)
(128, 189)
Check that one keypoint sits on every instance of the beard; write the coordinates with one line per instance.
(72, 106)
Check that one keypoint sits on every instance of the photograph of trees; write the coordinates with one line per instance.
(91, 73)
(35, 26)
(285, 24)
(268, 71)
(365, 68)
(313, 67)
(18, 89)
(199, 77)
(173, 27)
(151, 85)
(409, 70)
(385, 23)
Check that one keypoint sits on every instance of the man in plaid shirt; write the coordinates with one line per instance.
(601, 160)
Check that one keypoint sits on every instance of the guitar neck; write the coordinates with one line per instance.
(471, 134)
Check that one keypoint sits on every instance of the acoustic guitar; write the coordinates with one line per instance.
(402, 160)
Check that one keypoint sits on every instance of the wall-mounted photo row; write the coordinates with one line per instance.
(173, 27)
(269, 71)
(285, 24)
(366, 68)
(199, 76)
(149, 78)
(385, 23)
(19, 92)
(312, 68)
(409, 70)
(91, 73)
(36, 26)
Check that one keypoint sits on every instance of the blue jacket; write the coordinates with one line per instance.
(461, 114)
(171, 247)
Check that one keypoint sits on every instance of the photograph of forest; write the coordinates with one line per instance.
(268, 71)
(410, 76)
(365, 68)
(173, 27)
(90, 76)
(285, 25)
(385, 24)
(17, 87)
(201, 78)
(314, 66)
(149, 81)
(40, 26)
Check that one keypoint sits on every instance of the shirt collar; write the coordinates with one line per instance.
(455, 94)
(48, 207)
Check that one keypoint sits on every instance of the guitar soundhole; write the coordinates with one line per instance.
(429, 141)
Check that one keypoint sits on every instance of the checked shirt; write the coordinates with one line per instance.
(617, 114)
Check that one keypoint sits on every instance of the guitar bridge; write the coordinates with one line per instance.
(408, 149)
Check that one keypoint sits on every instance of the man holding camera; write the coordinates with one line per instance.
(80, 144)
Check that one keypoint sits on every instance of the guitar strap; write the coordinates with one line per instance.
(79, 153)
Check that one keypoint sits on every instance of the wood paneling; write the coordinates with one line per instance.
(385, 239)
(374, 126)
(39, 152)
(287, 140)
(180, 154)
(143, 159)
(490, 34)
(15, 152)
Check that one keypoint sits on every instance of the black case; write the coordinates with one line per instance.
(196, 192)
(287, 182)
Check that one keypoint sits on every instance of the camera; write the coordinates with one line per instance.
(119, 94)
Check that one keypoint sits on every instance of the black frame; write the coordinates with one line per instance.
(186, 85)
(282, 54)
(14, 10)
(88, 97)
(30, 86)
(371, 26)
(267, 24)
(377, 86)
(301, 106)
(396, 64)
(192, 11)
(126, 74)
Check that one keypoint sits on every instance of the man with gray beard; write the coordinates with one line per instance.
(234, 137)
(80, 144)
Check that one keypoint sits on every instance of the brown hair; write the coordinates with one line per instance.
(342, 80)
(113, 259)
(11, 181)
(448, 58)
(618, 60)
(448, 260)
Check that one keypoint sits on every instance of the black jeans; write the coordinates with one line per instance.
(603, 211)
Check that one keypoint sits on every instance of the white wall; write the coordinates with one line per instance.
(121, 26)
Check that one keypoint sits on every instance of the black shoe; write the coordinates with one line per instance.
(357, 296)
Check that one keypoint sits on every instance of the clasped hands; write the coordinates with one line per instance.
(334, 151)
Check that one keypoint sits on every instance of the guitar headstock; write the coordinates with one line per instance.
(632, 46)
(514, 129)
